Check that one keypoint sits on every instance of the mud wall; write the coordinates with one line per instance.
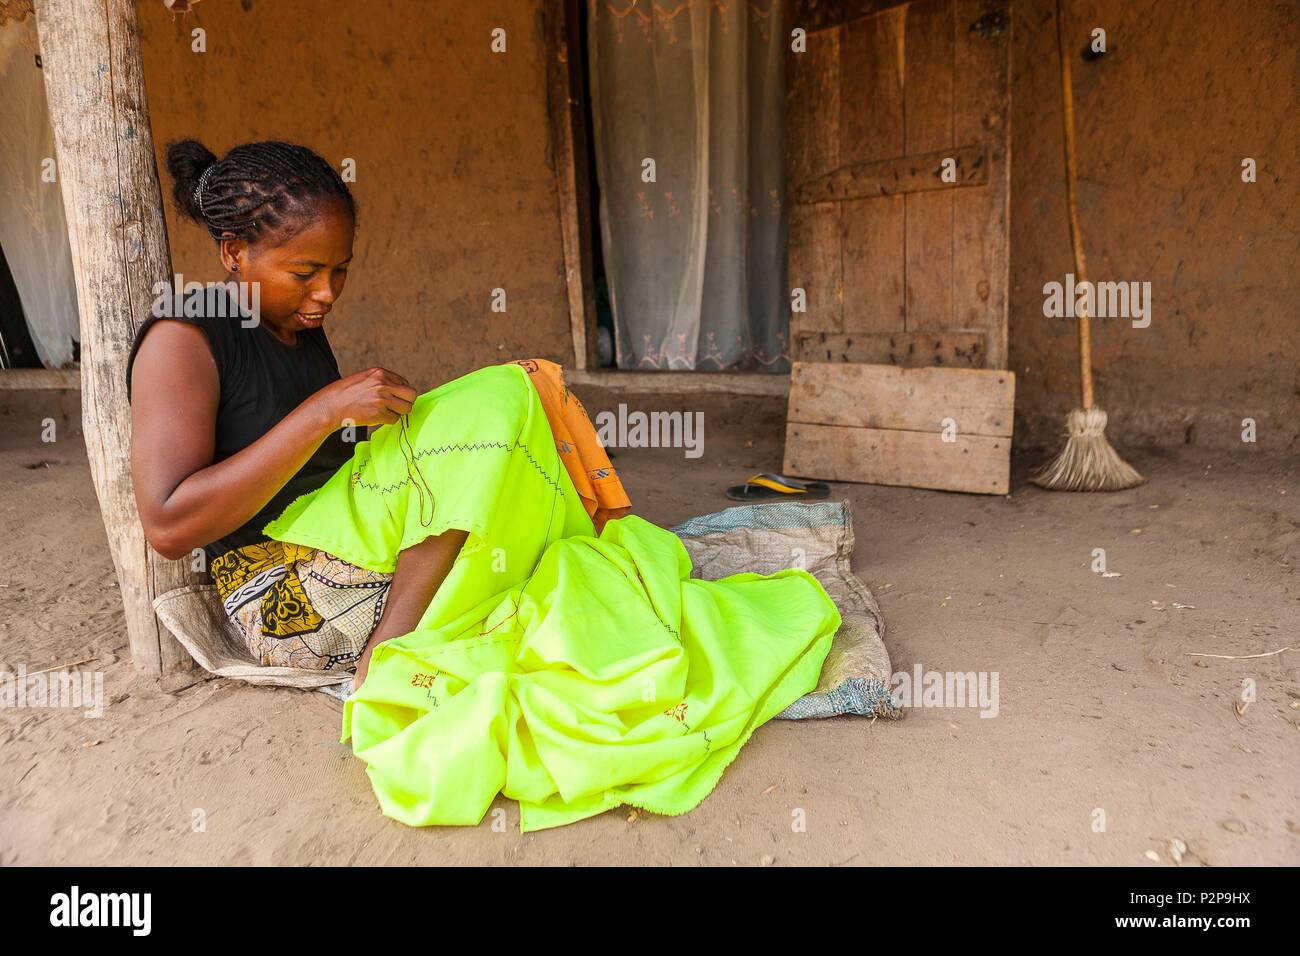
(454, 182)
(1186, 91)
(457, 193)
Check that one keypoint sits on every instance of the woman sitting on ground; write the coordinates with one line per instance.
(509, 639)
(235, 417)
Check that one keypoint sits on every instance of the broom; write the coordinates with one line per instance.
(1087, 462)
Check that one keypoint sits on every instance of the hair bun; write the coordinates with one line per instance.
(187, 161)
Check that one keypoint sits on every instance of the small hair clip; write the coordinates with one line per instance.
(198, 190)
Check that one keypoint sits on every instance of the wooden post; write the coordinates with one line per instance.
(94, 85)
(569, 153)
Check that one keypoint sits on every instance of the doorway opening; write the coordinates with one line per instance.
(682, 267)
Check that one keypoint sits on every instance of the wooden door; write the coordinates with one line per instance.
(899, 182)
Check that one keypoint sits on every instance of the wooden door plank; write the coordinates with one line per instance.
(815, 238)
(813, 109)
(928, 96)
(871, 129)
(813, 138)
(873, 265)
(928, 77)
(871, 88)
(977, 401)
(982, 34)
(971, 463)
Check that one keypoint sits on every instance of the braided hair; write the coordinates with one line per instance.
(256, 190)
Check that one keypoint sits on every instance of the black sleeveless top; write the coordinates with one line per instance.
(262, 381)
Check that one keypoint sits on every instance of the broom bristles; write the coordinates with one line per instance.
(1087, 462)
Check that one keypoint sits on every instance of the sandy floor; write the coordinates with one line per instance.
(1101, 706)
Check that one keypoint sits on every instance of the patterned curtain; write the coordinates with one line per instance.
(688, 98)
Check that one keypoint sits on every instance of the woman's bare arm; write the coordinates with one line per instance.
(186, 501)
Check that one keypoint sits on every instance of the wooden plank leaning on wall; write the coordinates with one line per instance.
(878, 424)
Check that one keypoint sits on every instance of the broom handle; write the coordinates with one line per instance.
(1072, 202)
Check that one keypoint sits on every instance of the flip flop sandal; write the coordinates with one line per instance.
(768, 486)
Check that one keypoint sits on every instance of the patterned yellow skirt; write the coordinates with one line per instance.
(300, 607)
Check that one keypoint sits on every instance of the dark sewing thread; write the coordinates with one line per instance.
(413, 473)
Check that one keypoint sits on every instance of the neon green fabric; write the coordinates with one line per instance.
(568, 672)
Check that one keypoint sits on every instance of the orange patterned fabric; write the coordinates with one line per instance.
(580, 449)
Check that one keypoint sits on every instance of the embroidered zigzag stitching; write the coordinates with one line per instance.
(461, 446)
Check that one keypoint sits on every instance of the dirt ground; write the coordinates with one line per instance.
(1103, 714)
